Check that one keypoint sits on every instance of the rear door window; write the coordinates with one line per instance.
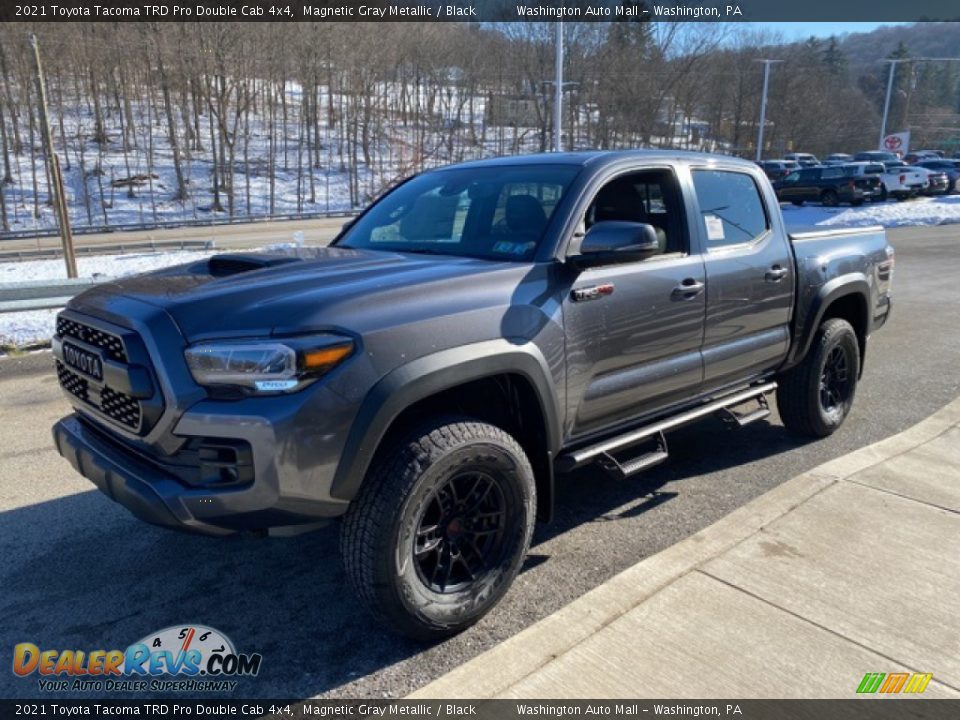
(731, 207)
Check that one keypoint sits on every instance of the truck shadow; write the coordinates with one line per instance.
(79, 572)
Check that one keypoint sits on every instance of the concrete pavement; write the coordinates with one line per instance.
(850, 568)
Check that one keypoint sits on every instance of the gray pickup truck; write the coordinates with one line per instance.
(476, 331)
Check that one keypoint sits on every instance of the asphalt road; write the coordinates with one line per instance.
(76, 571)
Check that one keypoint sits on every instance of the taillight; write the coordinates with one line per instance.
(903, 179)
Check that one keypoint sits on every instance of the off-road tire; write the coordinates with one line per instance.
(380, 532)
(799, 389)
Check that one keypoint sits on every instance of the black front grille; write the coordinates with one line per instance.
(110, 397)
(110, 344)
(122, 408)
(73, 383)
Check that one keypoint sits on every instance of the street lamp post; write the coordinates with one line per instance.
(558, 92)
(763, 104)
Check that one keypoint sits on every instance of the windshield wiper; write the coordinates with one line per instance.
(422, 251)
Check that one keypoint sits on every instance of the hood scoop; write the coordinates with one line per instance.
(227, 264)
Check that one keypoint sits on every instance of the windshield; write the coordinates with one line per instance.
(490, 212)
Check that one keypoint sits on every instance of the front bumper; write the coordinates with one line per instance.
(158, 496)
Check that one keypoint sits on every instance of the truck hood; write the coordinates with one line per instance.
(309, 289)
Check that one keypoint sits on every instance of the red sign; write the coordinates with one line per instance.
(893, 142)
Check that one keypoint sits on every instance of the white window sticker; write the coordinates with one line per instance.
(714, 227)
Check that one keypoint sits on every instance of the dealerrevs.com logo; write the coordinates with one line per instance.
(179, 658)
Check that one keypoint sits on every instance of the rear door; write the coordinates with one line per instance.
(750, 275)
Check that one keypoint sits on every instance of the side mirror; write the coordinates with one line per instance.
(616, 241)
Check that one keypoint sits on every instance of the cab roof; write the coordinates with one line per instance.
(598, 159)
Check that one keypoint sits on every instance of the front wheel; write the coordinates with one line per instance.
(815, 397)
(440, 527)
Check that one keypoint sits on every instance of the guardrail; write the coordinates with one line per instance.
(113, 249)
(43, 294)
(173, 224)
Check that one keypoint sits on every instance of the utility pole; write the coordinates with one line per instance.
(558, 92)
(763, 104)
(56, 180)
(886, 105)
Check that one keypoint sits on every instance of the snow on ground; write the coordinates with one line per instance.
(942, 210)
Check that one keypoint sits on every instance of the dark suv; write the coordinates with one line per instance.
(828, 185)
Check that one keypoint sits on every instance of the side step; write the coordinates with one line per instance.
(603, 452)
(728, 415)
(624, 469)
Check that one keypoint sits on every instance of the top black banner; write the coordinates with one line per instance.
(483, 11)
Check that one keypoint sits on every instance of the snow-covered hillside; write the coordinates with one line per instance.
(111, 183)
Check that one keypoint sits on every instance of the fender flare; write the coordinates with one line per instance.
(839, 287)
(429, 375)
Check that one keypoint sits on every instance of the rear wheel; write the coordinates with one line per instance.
(830, 198)
(440, 527)
(815, 397)
(798, 203)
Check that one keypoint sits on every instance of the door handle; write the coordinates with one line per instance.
(688, 289)
(776, 274)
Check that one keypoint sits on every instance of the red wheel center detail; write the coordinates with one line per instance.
(454, 528)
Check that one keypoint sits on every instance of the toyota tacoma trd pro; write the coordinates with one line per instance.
(476, 331)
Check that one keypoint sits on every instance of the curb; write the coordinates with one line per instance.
(33, 363)
(495, 671)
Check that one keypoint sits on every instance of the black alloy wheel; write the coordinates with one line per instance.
(835, 381)
(460, 535)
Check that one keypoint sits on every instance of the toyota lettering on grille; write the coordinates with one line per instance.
(84, 361)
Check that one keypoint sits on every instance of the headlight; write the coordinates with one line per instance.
(269, 366)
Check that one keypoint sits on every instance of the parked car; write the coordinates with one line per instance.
(838, 159)
(937, 182)
(929, 182)
(478, 329)
(897, 180)
(777, 169)
(828, 185)
(951, 168)
(803, 159)
(875, 156)
(919, 155)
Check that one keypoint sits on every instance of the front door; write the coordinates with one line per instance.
(634, 330)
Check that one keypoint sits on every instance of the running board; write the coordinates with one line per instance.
(603, 450)
(623, 469)
(729, 416)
